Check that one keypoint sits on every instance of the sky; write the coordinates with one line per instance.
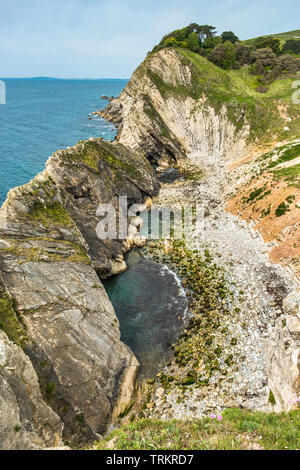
(109, 38)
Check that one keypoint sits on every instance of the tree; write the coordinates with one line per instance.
(193, 42)
(244, 53)
(206, 31)
(292, 46)
(193, 35)
(217, 55)
(170, 42)
(229, 36)
(270, 42)
(258, 68)
(224, 55)
(211, 42)
(230, 56)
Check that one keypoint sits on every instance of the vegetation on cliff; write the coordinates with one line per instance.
(10, 319)
(237, 91)
(238, 430)
(268, 56)
(271, 198)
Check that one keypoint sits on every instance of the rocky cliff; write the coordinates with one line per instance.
(26, 421)
(52, 301)
(174, 107)
(179, 109)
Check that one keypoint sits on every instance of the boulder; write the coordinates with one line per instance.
(291, 304)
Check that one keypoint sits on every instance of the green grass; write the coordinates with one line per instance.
(118, 159)
(283, 154)
(287, 155)
(236, 89)
(74, 252)
(283, 37)
(49, 214)
(290, 175)
(238, 430)
(11, 321)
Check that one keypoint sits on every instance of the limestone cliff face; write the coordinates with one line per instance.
(158, 115)
(26, 422)
(284, 355)
(162, 116)
(52, 301)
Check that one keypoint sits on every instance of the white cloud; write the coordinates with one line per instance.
(109, 38)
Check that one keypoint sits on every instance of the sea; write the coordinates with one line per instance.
(43, 115)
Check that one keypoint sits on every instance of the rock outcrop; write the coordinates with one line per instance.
(284, 355)
(160, 115)
(169, 112)
(26, 421)
(53, 303)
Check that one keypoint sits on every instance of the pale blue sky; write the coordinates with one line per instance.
(109, 38)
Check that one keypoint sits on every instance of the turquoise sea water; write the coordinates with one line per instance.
(42, 116)
(151, 306)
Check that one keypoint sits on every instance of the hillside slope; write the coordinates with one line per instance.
(192, 107)
(283, 37)
(241, 347)
(179, 109)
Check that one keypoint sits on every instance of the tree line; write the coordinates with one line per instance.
(266, 57)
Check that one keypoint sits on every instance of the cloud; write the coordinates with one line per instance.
(80, 38)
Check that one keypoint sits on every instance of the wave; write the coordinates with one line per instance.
(181, 292)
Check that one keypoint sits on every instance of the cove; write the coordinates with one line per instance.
(148, 300)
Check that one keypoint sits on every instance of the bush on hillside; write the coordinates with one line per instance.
(265, 57)
(268, 42)
(292, 46)
(229, 36)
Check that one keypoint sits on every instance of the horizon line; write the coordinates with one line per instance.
(60, 78)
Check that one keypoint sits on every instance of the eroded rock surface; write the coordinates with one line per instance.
(55, 304)
(177, 125)
(55, 307)
(26, 421)
(157, 119)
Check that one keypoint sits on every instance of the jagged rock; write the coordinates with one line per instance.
(165, 129)
(293, 325)
(26, 421)
(166, 125)
(48, 257)
(291, 304)
(50, 253)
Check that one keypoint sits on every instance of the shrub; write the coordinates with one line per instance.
(292, 46)
(243, 53)
(224, 55)
(266, 56)
(287, 62)
(281, 209)
(269, 42)
(229, 36)
(258, 68)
